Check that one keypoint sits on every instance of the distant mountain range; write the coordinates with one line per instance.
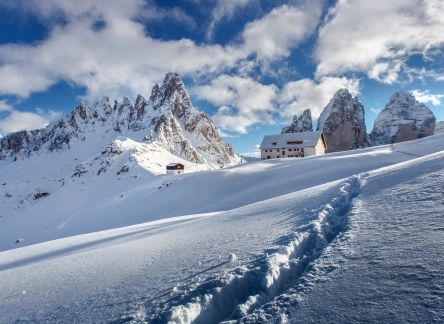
(168, 118)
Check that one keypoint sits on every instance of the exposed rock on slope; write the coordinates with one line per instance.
(168, 116)
(303, 123)
(342, 122)
(402, 119)
(439, 127)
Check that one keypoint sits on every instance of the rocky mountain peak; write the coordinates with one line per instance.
(303, 123)
(342, 122)
(402, 119)
(168, 117)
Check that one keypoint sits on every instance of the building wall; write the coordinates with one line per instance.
(320, 148)
(175, 171)
(309, 151)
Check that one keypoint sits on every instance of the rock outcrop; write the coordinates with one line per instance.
(402, 119)
(342, 122)
(168, 117)
(439, 128)
(303, 123)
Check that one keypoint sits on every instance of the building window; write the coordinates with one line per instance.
(268, 157)
(295, 142)
(266, 150)
(278, 150)
(278, 156)
(289, 150)
(275, 143)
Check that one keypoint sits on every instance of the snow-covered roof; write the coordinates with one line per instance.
(173, 164)
(281, 140)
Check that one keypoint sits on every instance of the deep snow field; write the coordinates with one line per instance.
(347, 237)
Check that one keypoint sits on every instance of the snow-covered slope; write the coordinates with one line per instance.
(168, 117)
(402, 119)
(93, 203)
(439, 127)
(343, 123)
(275, 246)
(303, 123)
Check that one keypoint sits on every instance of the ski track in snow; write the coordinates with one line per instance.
(231, 297)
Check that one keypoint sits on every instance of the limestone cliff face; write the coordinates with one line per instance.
(168, 118)
(303, 123)
(402, 119)
(342, 122)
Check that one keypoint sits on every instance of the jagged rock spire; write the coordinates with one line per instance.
(303, 123)
(402, 119)
(342, 122)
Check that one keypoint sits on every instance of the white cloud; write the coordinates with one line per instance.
(297, 96)
(376, 111)
(283, 28)
(251, 154)
(120, 59)
(224, 10)
(20, 120)
(243, 102)
(378, 37)
(256, 147)
(426, 96)
(4, 106)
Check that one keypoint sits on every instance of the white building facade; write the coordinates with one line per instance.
(292, 145)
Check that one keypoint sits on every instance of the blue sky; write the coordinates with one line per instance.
(249, 64)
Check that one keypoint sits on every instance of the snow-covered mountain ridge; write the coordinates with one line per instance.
(167, 117)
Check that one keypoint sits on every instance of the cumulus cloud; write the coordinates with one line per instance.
(4, 106)
(25, 120)
(303, 94)
(243, 101)
(256, 147)
(105, 48)
(224, 10)
(426, 96)
(282, 29)
(378, 37)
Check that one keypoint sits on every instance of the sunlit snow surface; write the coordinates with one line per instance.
(347, 237)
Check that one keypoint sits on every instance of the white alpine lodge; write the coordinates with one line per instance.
(292, 145)
(175, 168)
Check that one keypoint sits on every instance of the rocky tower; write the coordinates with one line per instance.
(168, 116)
(342, 122)
(303, 123)
(402, 119)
